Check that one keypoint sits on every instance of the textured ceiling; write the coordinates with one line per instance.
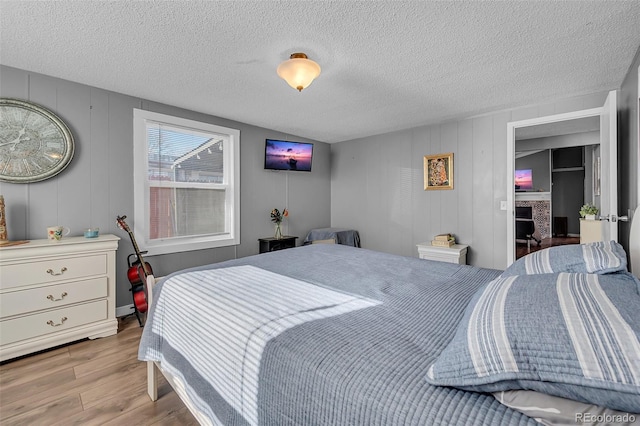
(385, 65)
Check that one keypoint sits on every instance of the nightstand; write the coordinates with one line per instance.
(273, 244)
(591, 231)
(457, 253)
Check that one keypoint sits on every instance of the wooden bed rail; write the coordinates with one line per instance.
(152, 370)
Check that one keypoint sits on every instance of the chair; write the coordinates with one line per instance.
(525, 226)
(327, 241)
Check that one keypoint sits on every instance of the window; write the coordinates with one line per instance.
(186, 184)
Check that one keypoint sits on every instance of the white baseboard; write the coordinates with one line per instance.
(122, 311)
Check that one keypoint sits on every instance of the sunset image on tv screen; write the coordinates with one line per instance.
(283, 155)
(523, 179)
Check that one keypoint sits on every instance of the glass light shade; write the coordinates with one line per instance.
(299, 71)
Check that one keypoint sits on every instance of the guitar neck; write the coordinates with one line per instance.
(135, 246)
(122, 224)
(138, 254)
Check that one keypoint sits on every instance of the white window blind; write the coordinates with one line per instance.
(189, 185)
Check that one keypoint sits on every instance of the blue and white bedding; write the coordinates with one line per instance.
(571, 335)
(363, 364)
(324, 335)
(240, 318)
(603, 257)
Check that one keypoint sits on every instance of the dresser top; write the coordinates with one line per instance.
(67, 244)
(458, 248)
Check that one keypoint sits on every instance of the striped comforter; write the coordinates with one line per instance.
(320, 334)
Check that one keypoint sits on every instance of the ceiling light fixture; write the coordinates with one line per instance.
(299, 71)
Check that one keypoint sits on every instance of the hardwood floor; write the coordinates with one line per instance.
(91, 382)
(522, 250)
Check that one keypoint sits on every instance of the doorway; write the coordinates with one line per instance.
(551, 186)
(544, 133)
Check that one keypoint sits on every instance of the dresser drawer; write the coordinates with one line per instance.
(52, 296)
(50, 322)
(51, 271)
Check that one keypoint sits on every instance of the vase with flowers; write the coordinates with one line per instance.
(277, 217)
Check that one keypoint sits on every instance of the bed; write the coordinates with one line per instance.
(337, 335)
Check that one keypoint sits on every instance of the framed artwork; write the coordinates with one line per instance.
(438, 171)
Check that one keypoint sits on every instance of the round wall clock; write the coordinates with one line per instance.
(34, 143)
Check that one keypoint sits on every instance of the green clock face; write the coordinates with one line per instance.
(34, 143)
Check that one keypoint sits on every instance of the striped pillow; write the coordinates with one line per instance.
(571, 335)
(603, 257)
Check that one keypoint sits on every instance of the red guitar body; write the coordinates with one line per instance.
(140, 300)
(136, 276)
(137, 273)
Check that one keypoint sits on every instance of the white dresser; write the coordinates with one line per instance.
(56, 292)
(457, 253)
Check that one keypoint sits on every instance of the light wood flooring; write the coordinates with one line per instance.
(91, 382)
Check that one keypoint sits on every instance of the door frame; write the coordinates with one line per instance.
(511, 144)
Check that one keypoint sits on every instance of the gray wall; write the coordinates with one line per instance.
(98, 184)
(540, 169)
(377, 183)
(569, 186)
(629, 146)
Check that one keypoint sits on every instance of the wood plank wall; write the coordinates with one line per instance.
(98, 184)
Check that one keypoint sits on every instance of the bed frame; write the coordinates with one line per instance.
(178, 386)
(154, 367)
(634, 243)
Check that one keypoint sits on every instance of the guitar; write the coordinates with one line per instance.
(138, 271)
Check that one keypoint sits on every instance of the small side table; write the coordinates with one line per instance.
(591, 231)
(273, 244)
(457, 253)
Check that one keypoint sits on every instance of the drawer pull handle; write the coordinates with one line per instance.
(53, 299)
(62, 320)
(62, 271)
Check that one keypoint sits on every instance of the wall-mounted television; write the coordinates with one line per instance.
(287, 155)
(523, 180)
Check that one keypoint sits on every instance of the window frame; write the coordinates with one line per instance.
(142, 185)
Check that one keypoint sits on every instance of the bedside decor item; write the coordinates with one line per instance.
(298, 71)
(35, 144)
(443, 240)
(4, 236)
(588, 212)
(91, 232)
(438, 171)
(3, 222)
(55, 233)
(277, 217)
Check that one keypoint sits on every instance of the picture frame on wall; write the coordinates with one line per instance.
(438, 171)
